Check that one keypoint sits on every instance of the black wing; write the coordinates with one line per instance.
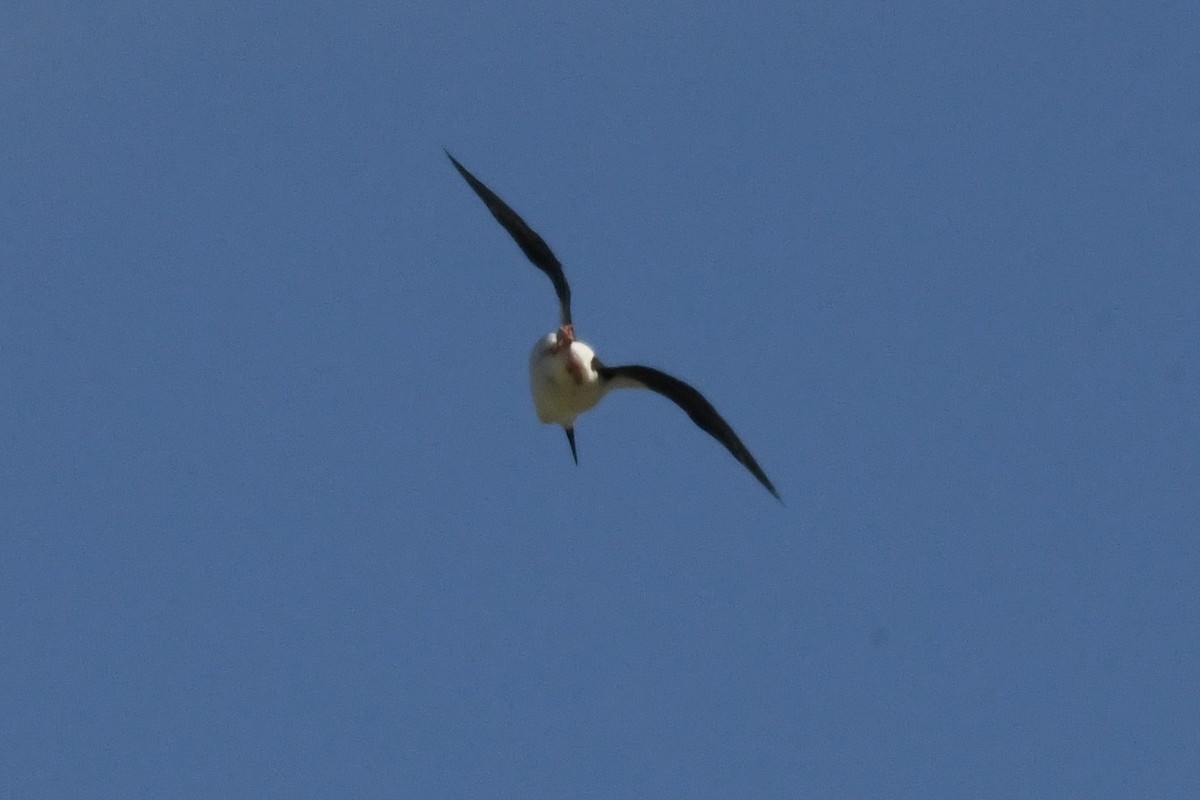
(698, 408)
(534, 247)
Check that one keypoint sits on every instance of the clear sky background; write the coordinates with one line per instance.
(277, 519)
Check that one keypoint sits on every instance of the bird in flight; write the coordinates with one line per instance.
(565, 376)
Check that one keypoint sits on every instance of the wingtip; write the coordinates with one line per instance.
(766, 482)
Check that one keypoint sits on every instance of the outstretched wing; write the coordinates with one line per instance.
(534, 247)
(691, 401)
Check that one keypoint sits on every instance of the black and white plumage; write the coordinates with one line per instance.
(566, 378)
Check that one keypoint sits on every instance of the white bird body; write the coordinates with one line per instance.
(563, 381)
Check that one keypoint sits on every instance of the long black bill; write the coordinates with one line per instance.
(571, 439)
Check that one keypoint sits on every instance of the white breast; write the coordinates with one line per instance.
(558, 395)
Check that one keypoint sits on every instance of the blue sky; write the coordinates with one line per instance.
(278, 519)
